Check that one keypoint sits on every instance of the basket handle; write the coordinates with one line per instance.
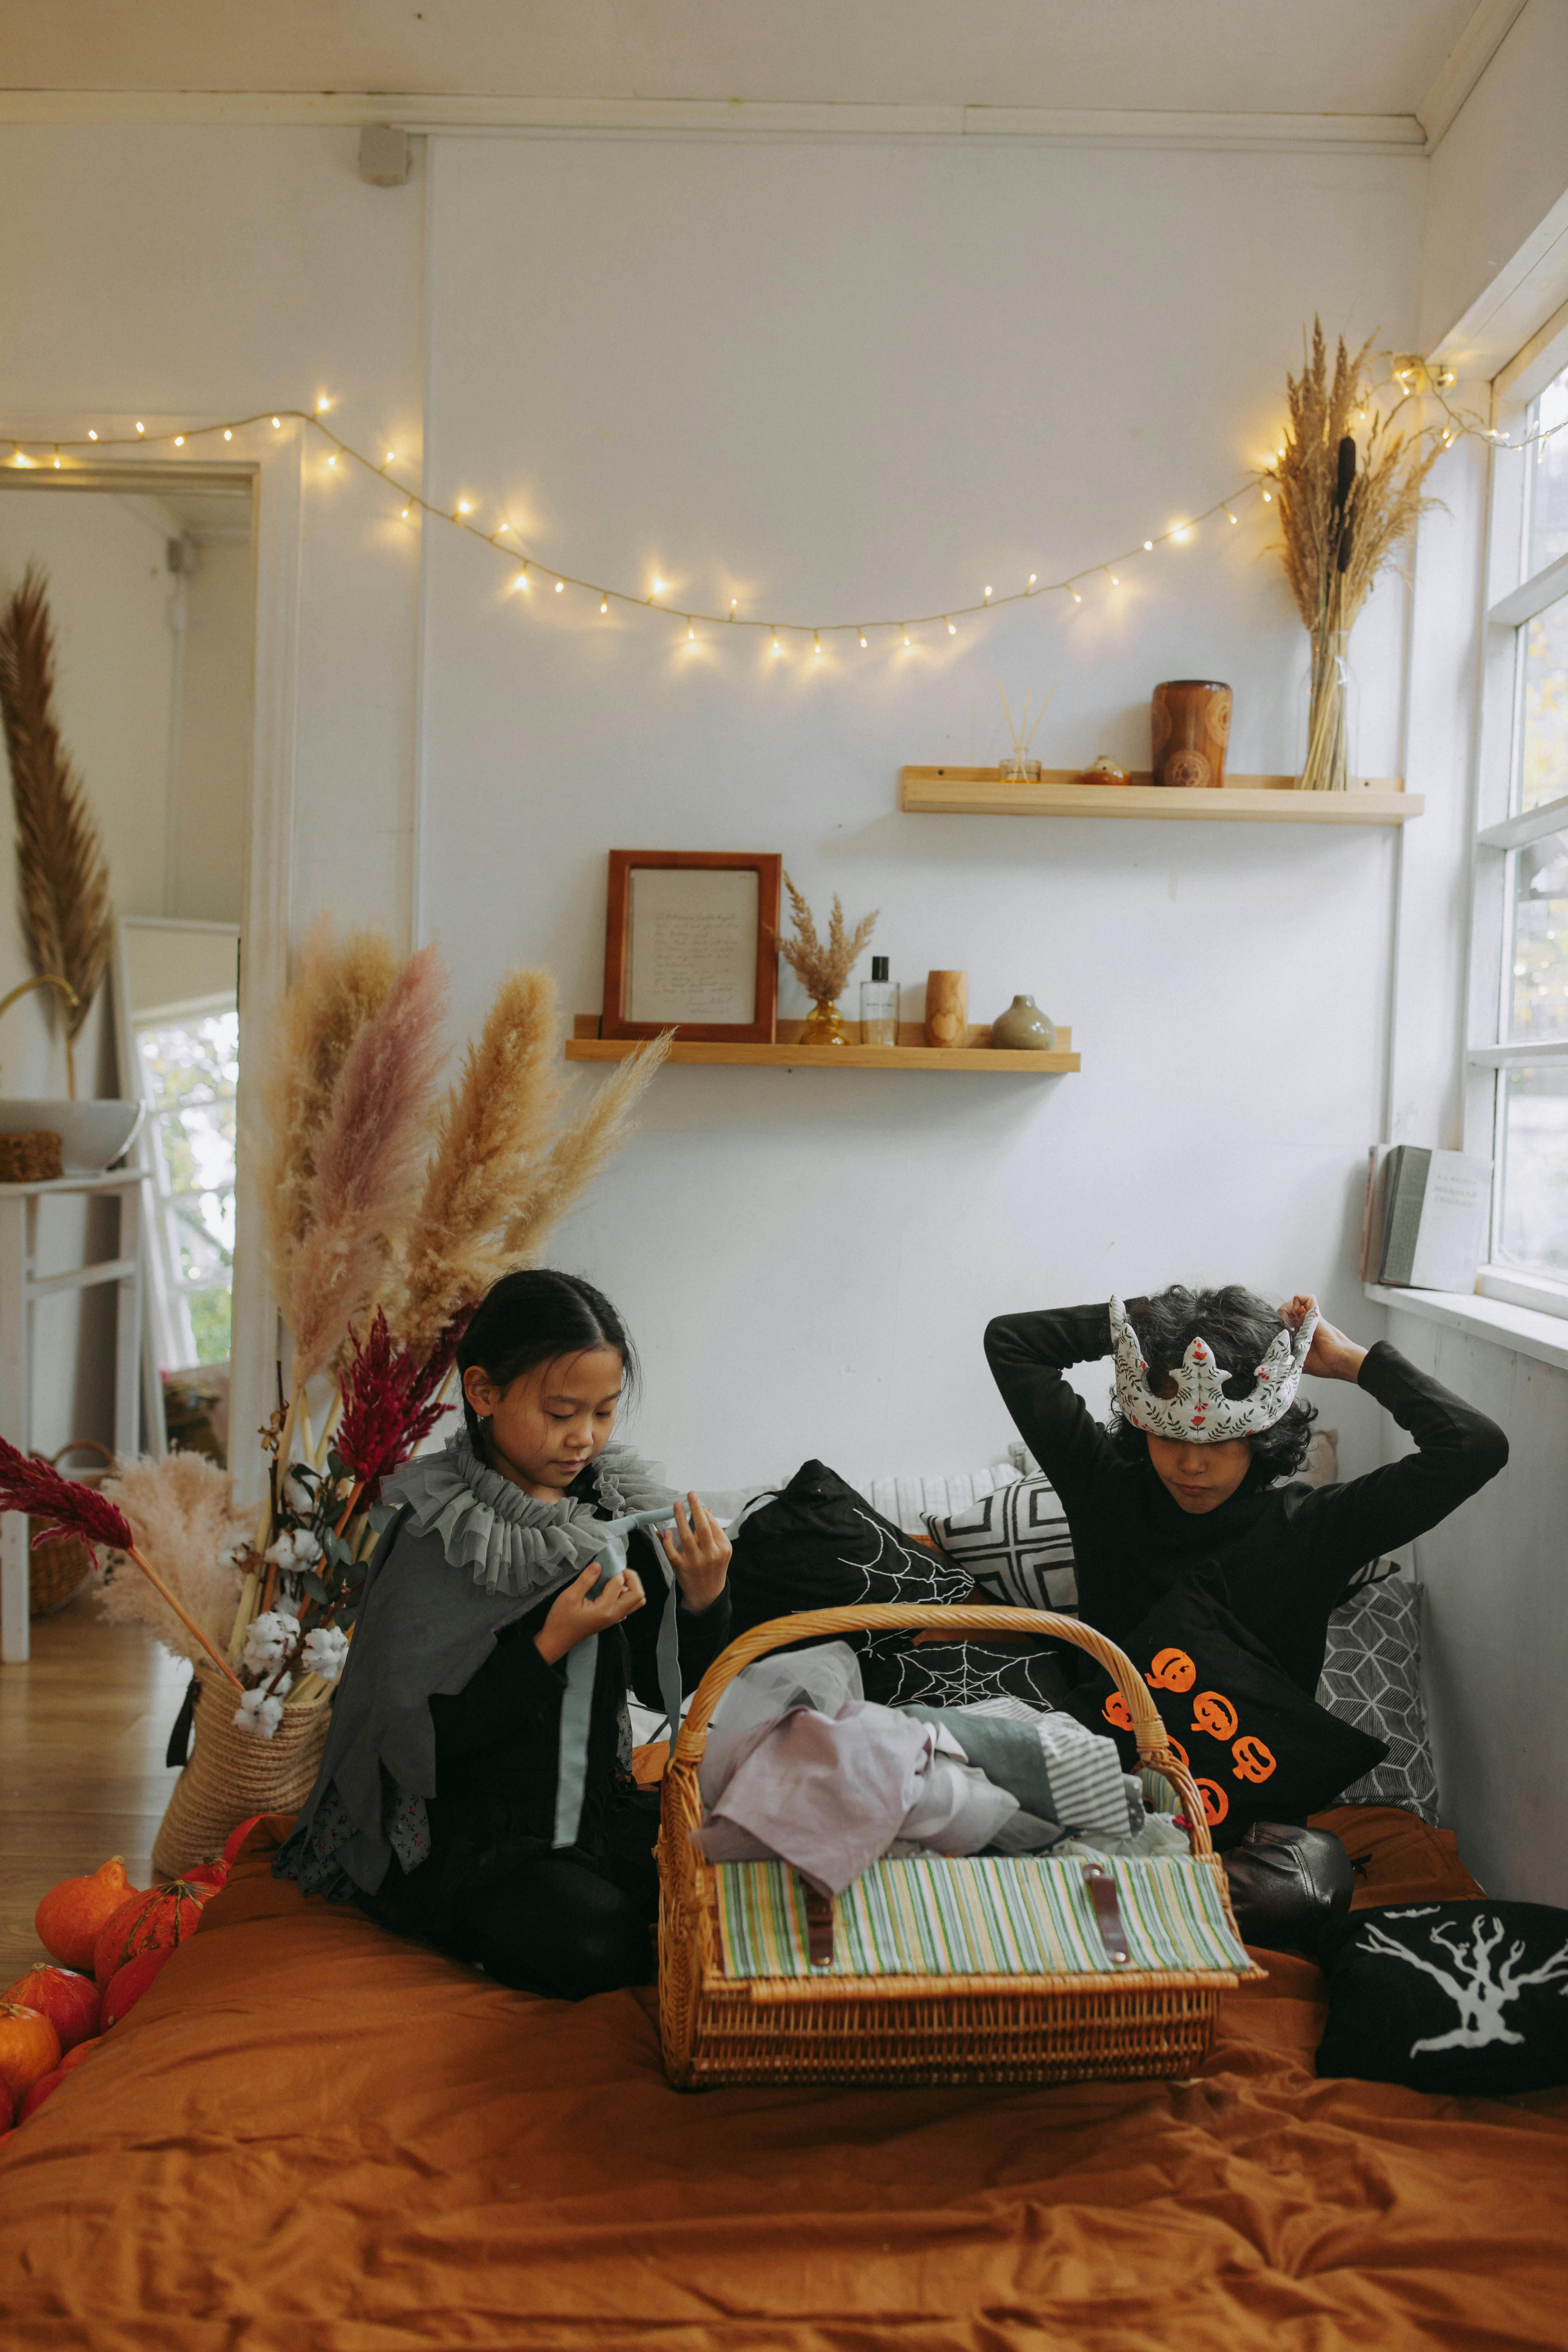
(1154, 1748)
(77, 1445)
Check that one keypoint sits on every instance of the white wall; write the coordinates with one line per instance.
(719, 362)
(205, 848)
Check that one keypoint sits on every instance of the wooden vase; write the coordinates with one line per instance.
(947, 1008)
(1190, 727)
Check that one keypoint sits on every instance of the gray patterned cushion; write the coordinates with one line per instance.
(1015, 1543)
(1372, 1677)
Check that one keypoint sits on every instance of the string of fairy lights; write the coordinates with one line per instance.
(1410, 378)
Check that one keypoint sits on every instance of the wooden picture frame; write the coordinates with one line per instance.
(684, 956)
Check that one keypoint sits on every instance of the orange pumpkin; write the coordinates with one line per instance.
(83, 2049)
(68, 2000)
(1253, 1760)
(1171, 1670)
(127, 1984)
(154, 1922)
(30, 2047)
(1214, 1714)
(1215, 1801)
(1115, 1711)
(72, 1915)
(40, 2092)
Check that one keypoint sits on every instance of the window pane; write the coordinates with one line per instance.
(193, 1068)
(1534, 1206)
(1544, 714)
(1546, 529)
(1540, 991)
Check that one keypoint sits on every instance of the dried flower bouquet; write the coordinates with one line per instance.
(1344, 509)
(823, 967)
(389, 1214)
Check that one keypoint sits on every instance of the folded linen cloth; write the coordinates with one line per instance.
(829, 1794)
(1059, 1771)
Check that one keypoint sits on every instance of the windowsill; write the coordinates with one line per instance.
(1522, 1329)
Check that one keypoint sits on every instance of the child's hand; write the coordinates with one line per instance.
(572, 1616)
(700, 1555)
(1331, 1357)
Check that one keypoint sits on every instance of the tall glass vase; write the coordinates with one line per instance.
(1329, 763)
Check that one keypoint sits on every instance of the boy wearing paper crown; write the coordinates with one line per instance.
(1193, 1477)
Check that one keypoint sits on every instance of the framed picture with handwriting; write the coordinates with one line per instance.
(689, 945)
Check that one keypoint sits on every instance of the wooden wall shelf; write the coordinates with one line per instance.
(1252, 800)
(910, 1053)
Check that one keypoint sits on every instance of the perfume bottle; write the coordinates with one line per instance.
(879, 1006)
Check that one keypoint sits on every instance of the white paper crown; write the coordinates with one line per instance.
(1200, 1410)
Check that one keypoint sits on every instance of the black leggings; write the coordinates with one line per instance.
(555, 1925)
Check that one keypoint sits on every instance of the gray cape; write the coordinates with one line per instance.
(463, 1552)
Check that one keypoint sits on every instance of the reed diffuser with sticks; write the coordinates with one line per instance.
(1345, 507)
(1021, 768)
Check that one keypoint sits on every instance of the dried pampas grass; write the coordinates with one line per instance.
(66, 919)
(492, 1129)
(369, 1156)
(181, 1512)
(337, 985)
(580, 1153)
(822, 968)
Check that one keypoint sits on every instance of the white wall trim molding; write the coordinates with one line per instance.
(1523, 1331)
(1465, 62)
(415, 110)
(268, 890)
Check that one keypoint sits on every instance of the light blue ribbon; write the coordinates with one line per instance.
(582, 1663)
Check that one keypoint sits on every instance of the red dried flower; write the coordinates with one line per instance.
(70, 1508)
(391, 1401)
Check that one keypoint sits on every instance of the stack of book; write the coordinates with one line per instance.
(1427, 1212)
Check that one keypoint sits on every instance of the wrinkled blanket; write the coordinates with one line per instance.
(310, 2136)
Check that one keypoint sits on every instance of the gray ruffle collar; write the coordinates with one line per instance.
(512, 1544)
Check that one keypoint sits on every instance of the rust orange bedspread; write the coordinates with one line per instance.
(310, 2135)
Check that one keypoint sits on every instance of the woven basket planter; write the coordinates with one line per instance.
(231, 1774)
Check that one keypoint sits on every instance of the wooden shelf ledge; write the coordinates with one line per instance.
(585, 1044)
(1250, 799)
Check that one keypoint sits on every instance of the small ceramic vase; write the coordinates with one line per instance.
(825, 1024)
(1190, 727)
(1104, 771)
(1024, 1029)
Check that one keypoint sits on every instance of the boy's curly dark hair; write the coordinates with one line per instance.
(1239, 1326)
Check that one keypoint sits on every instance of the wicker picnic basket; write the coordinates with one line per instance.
(59, 1564)
(918, 2029)
(231, 1775)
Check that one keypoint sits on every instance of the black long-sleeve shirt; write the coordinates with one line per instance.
(498, 1744)
(1282, 1554)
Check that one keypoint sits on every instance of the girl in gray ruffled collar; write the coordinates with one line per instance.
(476, 1785)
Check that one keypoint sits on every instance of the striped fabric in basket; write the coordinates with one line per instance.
(938, 1916)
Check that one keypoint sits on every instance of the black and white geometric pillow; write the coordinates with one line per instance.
(1372, 1679)
(1451, 1996)
(1015, 1543)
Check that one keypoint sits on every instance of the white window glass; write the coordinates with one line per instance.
(1546, 493)
(1540, 974)
(1544, 705)
(192, 1070)
(1532, 1132)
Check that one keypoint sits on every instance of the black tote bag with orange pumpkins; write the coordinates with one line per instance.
(1258, 1749)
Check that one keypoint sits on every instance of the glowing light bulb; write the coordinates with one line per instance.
(561, 587)
(1114, 579)
(817, 645)
(1182, 530)
(322, 405)
(1033, 577)
(1228, 516)
(465, 506)
(56, 464)
(660, 586)
(951, 630)
(332, 459)
(862, 635)
(500, 527)
(389, 456)
(140, 426)
(228, 433)
(1148, 546)
(906, 637)
(777, 648)
(1268, 498)
(520, 580)
(988, 595)
(604, 604)
(733, 602)
(278, 425)
(92, 436)
(405, 514)
(1072, 592)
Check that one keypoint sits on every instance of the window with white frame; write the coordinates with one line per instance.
(1518, 1084)
(190, 1073)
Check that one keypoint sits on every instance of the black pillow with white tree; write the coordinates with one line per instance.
(1449, 1997)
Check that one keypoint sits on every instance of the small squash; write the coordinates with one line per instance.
(67, 1998)
(40, 2092)
(127, 1984)
(72, 1915)
(29, 2048)
(83, 2049)
(154, 1922)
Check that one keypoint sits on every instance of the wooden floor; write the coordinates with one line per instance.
(83, 1728)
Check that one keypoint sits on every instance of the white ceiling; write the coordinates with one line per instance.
(1297, 58)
